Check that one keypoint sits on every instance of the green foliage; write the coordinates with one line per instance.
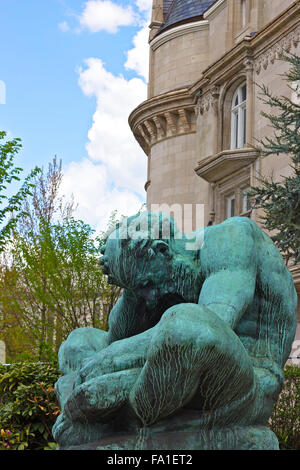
(10, 206)
(56, 284)
(50, 278)
(280, 201)
(28, 407)
(285, 420)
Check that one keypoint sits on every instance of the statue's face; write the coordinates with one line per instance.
(149, 278)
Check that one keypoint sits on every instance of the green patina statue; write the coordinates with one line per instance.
(196, 346)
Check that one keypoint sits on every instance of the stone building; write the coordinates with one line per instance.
(203, 112)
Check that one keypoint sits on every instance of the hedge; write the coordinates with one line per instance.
(28, 407)
(285, 420)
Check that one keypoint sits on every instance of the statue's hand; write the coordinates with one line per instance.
(126, 354)
(104, 382)
(95, 366)
(100, 397)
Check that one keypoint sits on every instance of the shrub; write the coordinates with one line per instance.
(285, 420)
(28, 406)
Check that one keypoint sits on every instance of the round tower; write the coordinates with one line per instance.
(165, 124)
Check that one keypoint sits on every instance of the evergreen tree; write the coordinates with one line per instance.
(280, 200)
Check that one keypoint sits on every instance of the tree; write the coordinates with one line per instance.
(42, 203)
(280, 200)
(51, 282)
(11, 205)
(60, 285)
(45, 203)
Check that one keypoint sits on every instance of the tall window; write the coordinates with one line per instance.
(230, 203)
(245, 202)
(238, 117)
(243, 13)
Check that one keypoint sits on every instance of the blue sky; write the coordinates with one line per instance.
(73, 71)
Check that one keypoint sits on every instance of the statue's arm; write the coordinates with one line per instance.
(229, 261)
(123, 317)
(126, 346)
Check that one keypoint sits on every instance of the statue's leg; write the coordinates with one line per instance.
(81, 344)
(194, 360)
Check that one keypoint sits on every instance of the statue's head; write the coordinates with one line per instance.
(147, 254)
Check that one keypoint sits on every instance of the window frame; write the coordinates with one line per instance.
(229, 200)
(239, 118)
(243, 13)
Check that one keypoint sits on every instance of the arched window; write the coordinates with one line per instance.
(238, 117)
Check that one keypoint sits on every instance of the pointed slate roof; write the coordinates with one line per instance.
(176, 11)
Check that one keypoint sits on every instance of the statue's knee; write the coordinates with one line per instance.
(80, 344)
(185, 325)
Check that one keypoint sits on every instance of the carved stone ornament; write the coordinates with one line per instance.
(284, 45)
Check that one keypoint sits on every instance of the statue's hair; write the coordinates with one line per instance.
(138, 236)
(139, 231)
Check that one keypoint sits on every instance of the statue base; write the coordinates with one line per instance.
(233, 438)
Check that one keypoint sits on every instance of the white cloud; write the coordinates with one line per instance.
(64, 27)
(114, 172)
(110, 138)
(144, 5)
(138, 56)
(105, 15)
(96, 199)
(113, 176)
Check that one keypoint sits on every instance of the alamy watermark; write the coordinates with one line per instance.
(163, 221)
(2, 92)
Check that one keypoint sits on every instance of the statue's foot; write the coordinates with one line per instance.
(68, 433)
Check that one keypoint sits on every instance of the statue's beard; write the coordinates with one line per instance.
(158, 301)
(182, 287)
(161, 299)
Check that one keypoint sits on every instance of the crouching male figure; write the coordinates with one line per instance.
(196, 346)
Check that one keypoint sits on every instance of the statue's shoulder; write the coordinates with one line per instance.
(240, 223)
(234, 242)
(231, 230)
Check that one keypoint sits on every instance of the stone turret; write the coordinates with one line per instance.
(203, 56)
(165, 125)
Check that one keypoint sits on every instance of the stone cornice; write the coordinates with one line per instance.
(273, 52)
(173, 113)
(226, 66)
(219, 166)
(264, 47)
(177, 31)
(215, 8)
(162, 117)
